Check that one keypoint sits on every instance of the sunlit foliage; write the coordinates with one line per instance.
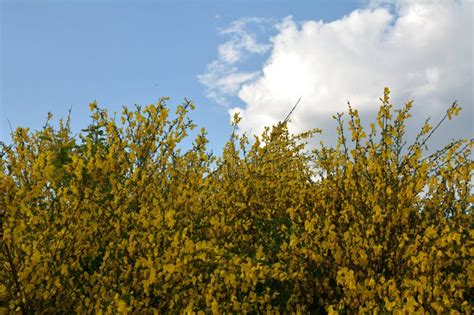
(122, 218)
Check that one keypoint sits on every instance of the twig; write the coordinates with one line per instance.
(10, 124)
(291, 112)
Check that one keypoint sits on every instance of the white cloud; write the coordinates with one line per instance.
(241, 39)
(422, 50)
(222, 77)
(228, 53)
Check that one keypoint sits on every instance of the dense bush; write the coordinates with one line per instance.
(123, 219)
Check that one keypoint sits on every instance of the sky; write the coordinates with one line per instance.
(256, 58)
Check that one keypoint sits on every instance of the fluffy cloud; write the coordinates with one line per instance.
(222, 77)
(422, 50)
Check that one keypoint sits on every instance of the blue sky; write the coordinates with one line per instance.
(57, 55)
(62, 54)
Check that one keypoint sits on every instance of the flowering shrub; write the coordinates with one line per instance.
(123, 219)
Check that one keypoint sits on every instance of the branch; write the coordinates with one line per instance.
(291, 112)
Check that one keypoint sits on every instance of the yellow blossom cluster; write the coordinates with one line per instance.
(131, 217)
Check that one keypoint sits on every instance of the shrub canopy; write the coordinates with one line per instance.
(122, 219)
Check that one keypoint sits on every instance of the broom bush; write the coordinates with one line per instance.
(123, 219)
